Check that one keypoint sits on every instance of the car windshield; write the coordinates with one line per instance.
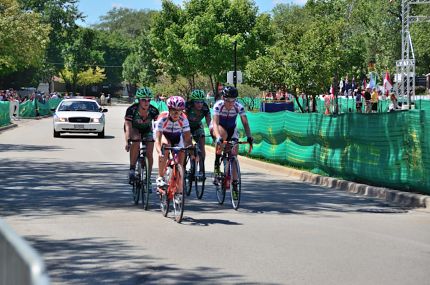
(79, 106)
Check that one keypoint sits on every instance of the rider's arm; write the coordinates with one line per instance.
(158, 137)
(215, 124)
(187, 138)
(127, 133)
(208, 119)
(245, 124)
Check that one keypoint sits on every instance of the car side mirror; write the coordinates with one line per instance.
(104, 110)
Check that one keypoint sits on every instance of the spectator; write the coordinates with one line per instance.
(394, 104)
(108, 99)
(327, 104)
(367, 98)
(103, 99)
(374, 100)
(358, 100)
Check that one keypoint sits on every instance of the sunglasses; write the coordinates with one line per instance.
(174, 111)
(145, 99)
(230, 100)
(199, 102)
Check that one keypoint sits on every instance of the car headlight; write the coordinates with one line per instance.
(60, 119)
(97, 120)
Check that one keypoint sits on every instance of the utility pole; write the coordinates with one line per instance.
(235, 64)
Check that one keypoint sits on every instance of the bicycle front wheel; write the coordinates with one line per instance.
(199, 177)
(145, 183)
(136, 183)
(179, 195)
(220, 187)
(236, 185)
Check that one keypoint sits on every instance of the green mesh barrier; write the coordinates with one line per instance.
(422, 104)
(26, 110)
(160, 105)
(250, 103)
(53, 103)
(383, 149)
(4, 113)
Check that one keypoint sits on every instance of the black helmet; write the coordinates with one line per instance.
(229, 92)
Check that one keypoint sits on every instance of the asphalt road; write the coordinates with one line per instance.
(70, 199)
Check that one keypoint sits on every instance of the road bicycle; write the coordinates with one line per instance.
(224, 178)
(195, 173)
(174, 177)
(142, 178)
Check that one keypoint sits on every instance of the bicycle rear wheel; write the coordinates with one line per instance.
(235, 199)
(179, 195)
(199, 176)
(220, 188)
(145, 183)
(136, 183)
(188, 174)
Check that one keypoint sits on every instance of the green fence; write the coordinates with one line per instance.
(4, 113)
(383, 149)
(31, 109)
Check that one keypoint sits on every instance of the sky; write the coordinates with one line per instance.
(93, 9)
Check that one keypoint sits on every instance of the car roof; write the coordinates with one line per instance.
(79, 100)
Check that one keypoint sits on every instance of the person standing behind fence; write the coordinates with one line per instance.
(367, 98)
(358, 100)
(374, 100)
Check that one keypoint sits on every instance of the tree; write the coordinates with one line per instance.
(61, 16)
(81, 54)
(84, 78)
(24, 38)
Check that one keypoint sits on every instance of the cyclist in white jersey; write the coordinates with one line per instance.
(172, 129)
(225, 112)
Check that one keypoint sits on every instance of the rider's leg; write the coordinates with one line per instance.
(218, 154)
(202, 149)
(162, 160)
(149, 155)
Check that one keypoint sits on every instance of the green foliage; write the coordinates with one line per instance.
(81, 54)
(24, 38)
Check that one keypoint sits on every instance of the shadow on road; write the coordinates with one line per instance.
(34, 187)
(260, 195)
(104, 261)
(28, 147)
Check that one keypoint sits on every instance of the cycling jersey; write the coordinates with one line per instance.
(227, 118)
(144, 125)
(172, 130)
(194, 118)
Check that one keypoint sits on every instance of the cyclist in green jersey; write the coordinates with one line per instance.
(196, 109)
(138, 127)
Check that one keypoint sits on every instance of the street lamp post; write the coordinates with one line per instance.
(235, 64)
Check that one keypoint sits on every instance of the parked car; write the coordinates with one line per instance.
(79, 116)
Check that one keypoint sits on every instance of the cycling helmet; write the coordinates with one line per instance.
(176, 102)
(197, 95)
(229, 92)
(143, 92)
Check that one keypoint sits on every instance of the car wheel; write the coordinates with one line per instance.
(101, 134)
(56, 134)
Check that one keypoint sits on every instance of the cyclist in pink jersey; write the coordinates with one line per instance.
(172, 129)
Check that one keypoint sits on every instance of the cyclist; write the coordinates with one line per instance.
(196, 109)
(138, 127)
(225, 112)
(172, 129)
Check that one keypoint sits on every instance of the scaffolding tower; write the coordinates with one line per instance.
(405, 68)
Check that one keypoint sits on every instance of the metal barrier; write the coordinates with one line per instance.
(19, 263)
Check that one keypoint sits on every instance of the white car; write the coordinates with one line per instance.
(79, 116)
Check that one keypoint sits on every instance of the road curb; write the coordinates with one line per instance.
(7, 127)
(400, 198)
